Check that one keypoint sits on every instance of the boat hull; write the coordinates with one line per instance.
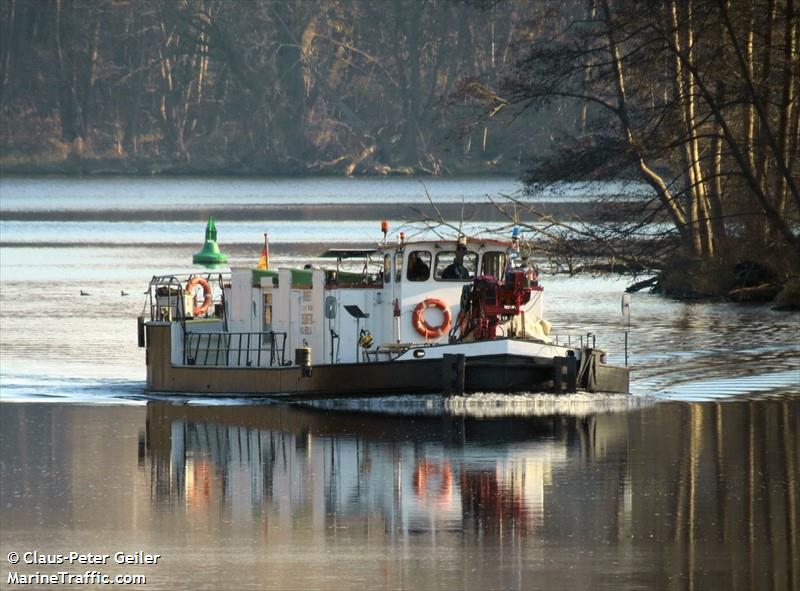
(451, 374)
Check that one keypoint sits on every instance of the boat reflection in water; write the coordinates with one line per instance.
(420, 474)
(670, 495)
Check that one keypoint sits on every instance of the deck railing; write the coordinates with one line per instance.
(589, 339)
(234, 349)
(168, 299)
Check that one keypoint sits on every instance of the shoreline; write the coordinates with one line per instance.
(410, 211)
(98, 168)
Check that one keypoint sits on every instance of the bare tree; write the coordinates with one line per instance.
(671, 94)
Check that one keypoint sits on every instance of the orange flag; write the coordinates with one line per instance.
(263, 262)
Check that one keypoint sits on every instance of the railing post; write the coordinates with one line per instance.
(248, 362)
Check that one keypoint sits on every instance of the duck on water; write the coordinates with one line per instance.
(421, 317)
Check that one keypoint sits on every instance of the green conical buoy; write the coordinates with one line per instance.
(210, 253)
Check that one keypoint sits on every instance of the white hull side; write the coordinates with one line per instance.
(484, 348)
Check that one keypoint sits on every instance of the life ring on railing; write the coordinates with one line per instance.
(422, 326)
(434, 480)
(207, 294)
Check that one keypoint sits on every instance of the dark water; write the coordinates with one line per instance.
(689, 483)
(667, 496)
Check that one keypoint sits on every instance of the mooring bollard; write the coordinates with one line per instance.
(453, 374)
(302, 357)
(565, 374)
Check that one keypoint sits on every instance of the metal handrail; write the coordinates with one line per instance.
(230, 349)
(581, 339)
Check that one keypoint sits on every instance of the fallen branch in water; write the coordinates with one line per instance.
(765, 292)
(640, 285)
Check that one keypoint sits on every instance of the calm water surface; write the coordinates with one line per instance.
(689, 483)
(68, 193)
(670, 496)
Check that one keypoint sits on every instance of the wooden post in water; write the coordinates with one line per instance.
(626, 314)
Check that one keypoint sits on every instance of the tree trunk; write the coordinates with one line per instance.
(411, 19)
(745, 164)
(762, 162)
(666, 197)
(7, 41)
(788, 102)
(760, 108)
(715, 196)
(293, 22)
(684, 83)
(778, 222)
(73, 128)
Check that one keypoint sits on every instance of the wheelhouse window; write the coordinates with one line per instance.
(446, 267)
(387, 268)
(494, 264)
(419, 265)
(398, 266)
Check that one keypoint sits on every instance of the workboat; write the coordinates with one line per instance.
(406, 317)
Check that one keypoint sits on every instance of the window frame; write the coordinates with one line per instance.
(501, 258)
(398, 266)
(387, 268)
(452, 253)
(424, 253)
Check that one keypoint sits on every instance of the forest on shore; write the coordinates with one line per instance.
(262, 87)
(699, 99)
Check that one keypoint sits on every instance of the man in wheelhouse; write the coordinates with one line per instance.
(456, 269)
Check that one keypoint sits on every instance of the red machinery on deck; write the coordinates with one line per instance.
(488, 302)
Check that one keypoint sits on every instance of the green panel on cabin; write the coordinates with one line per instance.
(257, 274)
(350, 278)
(300, 277)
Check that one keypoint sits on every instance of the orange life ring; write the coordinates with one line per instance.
(427, 473)
(421, 325)
(207, 295)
